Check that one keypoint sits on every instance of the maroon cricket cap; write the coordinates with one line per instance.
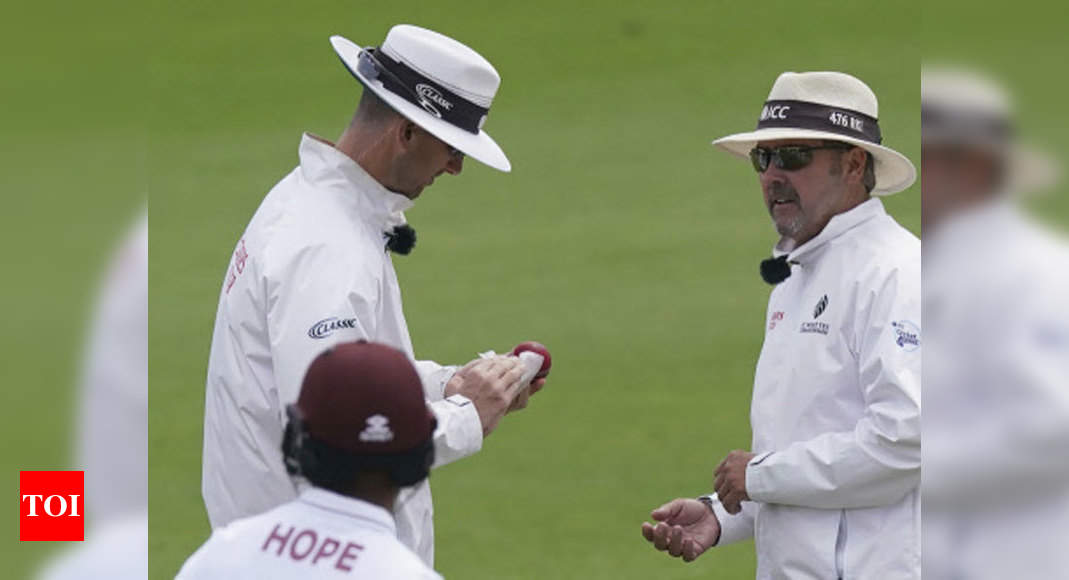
(365, 398)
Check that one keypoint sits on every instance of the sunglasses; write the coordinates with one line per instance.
(788, 157)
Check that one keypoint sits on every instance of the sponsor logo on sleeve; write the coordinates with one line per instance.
(327, 326)
(777, 316)
(237, 265)
(907, 335)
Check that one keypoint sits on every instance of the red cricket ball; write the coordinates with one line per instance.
(537, 348)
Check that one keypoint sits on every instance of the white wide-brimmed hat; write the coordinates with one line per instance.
(964, 107)
(433, 81)
(826, 105)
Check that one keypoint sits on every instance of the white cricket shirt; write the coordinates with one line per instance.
(310, 271)
(836, 411)
(321, 534)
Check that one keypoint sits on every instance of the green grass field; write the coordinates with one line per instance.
(621, 239)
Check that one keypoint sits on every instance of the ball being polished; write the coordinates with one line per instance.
(537, 348)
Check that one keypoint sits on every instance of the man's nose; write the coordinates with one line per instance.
(772, 175)
(455, 165)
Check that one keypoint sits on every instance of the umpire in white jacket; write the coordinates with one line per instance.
(313, 269)
(830, 488)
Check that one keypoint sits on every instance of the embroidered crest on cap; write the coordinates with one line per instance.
(377, 430)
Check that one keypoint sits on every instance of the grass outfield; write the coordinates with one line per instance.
(622, 240)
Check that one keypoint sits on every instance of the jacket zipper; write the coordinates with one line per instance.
(840, 546)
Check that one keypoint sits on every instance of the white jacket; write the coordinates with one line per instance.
(321, 534)
(996, 477)
(836, 410)
(311, 270)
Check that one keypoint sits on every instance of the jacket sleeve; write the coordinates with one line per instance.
(460, 431)
(878, 462)
(320, 297)
(737, 527)
(317, 297)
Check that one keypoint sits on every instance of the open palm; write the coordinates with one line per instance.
(685, 527)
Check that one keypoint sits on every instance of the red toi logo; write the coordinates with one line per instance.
(51, 506)
(776, 317)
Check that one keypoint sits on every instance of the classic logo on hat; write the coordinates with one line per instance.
(434, 81)
(377, 430)
(428, 92)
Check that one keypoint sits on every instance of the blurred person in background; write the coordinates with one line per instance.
(830, 487)
(112, 434)
(313, 268)
(996, 468)
(359, 432)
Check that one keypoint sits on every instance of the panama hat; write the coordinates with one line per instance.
(434, 81)
(826, 105)
(964, 107)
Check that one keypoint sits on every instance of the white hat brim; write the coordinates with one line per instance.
(894, 171)
(480, 147)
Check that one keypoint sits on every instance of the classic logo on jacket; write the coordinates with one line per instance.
(327, 326)
(907, 335)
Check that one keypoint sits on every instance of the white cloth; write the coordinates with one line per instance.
(321, 534)
(996, 479)
(310, 271)
(112, 440)
(836, 409)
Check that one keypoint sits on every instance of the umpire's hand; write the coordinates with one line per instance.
(685, 527)
(492, 384)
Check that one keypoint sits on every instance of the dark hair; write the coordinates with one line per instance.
(373, 109)
(869, 177)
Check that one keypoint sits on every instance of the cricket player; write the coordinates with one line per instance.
(829, 489)
(359, 432)
(313, 268)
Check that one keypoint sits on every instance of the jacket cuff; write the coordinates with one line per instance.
(758, 485)
(460, 431)
(733, 528)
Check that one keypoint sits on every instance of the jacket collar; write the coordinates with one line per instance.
(324, 166)
(837, 226)
(367, 513)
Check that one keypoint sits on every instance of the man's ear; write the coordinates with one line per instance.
(406, 133)
(855, 164)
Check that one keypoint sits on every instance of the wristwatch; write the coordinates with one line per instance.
(708, 501)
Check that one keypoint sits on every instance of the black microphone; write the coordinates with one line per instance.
(401, 239)
(775, 270)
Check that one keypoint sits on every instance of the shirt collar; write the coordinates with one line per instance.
(325, 166)
(837, 226)
(346, 506)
